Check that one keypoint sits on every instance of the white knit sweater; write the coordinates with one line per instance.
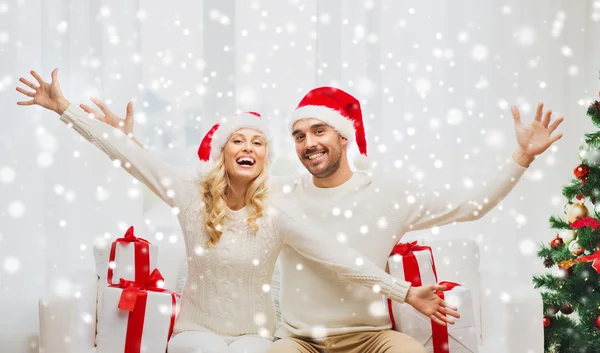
(371, 214)
(227, 288)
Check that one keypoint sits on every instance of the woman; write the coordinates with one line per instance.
(233, 232)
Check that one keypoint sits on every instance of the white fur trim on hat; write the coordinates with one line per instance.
(230, 125)
(333, 117)
(362, 162)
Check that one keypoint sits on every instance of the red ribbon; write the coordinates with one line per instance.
(412, 273)
(439, 333)
(141, 253)
(594, 259)
(133, 299)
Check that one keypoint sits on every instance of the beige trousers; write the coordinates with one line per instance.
(387, 341)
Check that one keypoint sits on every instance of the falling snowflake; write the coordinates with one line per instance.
(165, 310)
(525, 36)
(11, 265)
(4, 37)
(482, 83)
(573, 70)
(495, 138)
(16, 209)
(566, 51)
(318, 332)
(101, 193)
(7, 175)
(454, 116)
(87, 318)
(527, 246)
(558, 23)
(422, 86)
(365, 87)
(260, 318)
(378, 309)
(62, 287)
(479, 53)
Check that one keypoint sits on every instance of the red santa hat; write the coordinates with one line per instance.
(216, 138)
(340, 110)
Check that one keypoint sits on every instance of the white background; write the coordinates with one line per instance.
(435, 80)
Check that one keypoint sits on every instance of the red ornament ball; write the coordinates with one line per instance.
(566, 309)
(556, 243)
(597, 323)
(547, 321)
(581, 171)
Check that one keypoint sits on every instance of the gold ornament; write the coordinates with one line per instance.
(576, 211)
(566, 264)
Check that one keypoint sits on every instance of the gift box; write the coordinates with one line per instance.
(461, 337)
(137, 317)
(131, 258)
(413, 263)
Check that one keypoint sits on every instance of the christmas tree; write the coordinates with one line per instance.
(571, 294)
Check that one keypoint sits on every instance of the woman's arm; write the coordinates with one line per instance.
(172, 187)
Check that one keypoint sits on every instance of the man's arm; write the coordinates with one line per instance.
(422, 209)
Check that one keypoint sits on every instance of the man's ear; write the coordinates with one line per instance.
(344, 141)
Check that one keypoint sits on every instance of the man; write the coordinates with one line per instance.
(322, 314)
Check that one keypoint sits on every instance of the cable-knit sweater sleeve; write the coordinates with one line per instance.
(349, 264)
(430, 208)
(172, 187)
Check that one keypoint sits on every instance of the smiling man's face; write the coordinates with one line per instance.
(319, 146)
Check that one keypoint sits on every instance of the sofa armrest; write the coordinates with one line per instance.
(68, 320)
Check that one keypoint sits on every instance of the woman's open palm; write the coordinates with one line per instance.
(48, 94)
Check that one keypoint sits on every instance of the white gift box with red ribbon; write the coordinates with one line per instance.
(131, 258)
(460, 337)
(413, 263)
(137, 317)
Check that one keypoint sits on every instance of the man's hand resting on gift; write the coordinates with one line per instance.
(427, 302)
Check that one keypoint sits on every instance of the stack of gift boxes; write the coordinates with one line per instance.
(136, 314)
(415, 264)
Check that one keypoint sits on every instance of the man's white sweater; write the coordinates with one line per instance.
(370, 214)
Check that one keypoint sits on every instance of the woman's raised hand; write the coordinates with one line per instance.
(45, 94)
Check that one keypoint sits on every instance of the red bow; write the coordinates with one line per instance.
(448, 285)
(133, 289)
(586, 222)
(130, 238)
(406, 248)
(594, 259)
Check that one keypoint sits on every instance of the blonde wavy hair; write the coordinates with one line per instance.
(214, 189)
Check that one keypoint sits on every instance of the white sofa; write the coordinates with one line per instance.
(68, 323)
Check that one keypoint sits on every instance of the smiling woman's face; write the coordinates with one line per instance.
(244, 155)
